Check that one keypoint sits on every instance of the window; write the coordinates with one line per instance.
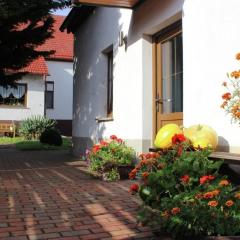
(13, 96)
(49, 95)
(110, 84)
(172, 74)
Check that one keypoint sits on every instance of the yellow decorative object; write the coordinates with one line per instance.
(164, 136)
(202, 136)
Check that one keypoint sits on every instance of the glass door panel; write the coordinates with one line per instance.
(172, 75)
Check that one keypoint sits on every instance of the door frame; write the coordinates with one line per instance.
(163, 35)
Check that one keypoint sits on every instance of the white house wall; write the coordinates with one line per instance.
(35, 101)
(211, 40)
(61, 74)
(132, 104)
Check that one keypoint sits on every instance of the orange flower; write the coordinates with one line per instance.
(208, 195)
(226, 96)
(237, 195)
(148, 155)
(143, 162)
(229, 203)
(133, 173)
(165, 214)
(235, 74)
(238, 56)
(205, 179)
(224, 183)
(215, 192)
(198, 196)
(224, 104)
(175, 210)
(145, 175)
(211, 194)
(161, 166)
(212, 203)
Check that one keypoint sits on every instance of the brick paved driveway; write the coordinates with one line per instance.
(45, 195)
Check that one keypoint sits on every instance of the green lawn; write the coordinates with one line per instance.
(9, 140)
(22, 144)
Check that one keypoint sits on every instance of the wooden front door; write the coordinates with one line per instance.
(168, 86)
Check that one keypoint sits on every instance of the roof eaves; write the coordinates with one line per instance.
(76, 17)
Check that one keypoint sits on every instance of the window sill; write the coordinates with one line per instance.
(104, 119)
(13, 107)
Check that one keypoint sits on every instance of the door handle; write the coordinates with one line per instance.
(162, 100)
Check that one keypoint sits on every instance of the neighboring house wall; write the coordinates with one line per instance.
(61, 73)
(211, 41)
(132, 94)
(35, 101)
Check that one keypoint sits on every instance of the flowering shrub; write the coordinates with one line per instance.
(231, 97)
(184, 194)
(106, 156)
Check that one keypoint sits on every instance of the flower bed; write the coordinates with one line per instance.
(113, 159)
(184, 194)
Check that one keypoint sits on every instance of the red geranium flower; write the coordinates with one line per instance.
(185, 179)
(205, 179)
(96, 148)
(119, 140)
(178, 138)
(175, 210)
(226, 96)
(113, 137)
(134, 188)
(103, 143)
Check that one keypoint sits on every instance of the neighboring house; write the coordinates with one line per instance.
(47, 89)
(158, 62)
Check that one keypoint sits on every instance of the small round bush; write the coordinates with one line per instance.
(51, 137)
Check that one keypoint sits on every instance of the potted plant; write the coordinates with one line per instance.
(184, 195)
(113, 159)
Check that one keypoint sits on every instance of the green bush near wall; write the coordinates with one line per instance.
(33, 127)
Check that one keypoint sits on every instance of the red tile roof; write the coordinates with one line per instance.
(61, 43)
(38, 66)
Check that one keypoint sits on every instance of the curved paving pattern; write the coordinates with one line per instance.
(46, 195)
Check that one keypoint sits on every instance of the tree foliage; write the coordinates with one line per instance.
(24, 25)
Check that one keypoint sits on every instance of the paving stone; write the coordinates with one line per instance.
(46, 195)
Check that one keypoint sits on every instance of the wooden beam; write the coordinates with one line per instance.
(229, 158)
(109, 3)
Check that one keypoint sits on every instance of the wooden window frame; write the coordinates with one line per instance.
(25, 98)
(46, 91)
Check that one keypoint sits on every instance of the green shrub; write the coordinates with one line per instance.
(33, 127)
(51, 137)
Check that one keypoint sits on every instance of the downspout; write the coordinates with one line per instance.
(44, 101)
